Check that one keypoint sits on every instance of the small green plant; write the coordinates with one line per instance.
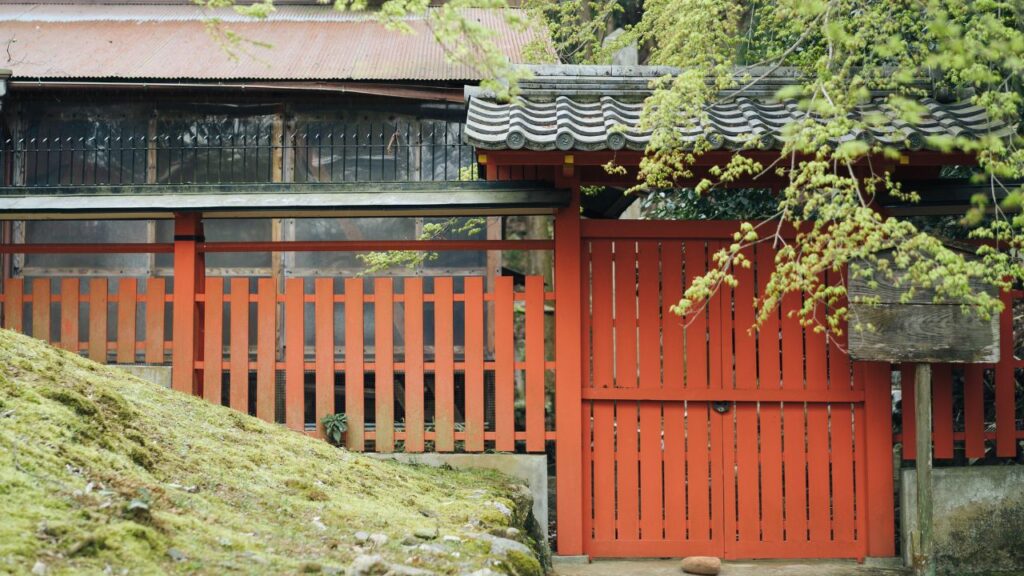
(335, 426)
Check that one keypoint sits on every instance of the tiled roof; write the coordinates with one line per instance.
(598, 108)
(295, 43)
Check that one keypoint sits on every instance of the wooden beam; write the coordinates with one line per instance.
(923, 555)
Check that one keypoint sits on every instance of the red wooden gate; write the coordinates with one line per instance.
(701, 436)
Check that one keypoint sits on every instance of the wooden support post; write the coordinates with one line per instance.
(568, 388)
(189, 274)
(924, 560)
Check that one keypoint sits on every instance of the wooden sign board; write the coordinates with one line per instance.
(919, 330)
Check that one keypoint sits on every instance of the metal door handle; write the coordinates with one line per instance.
(721, 406)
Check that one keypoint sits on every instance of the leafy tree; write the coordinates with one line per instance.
(845, 51)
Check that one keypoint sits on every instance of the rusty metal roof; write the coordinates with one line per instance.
(173, 43)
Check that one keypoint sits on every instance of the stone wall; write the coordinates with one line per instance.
(979, 519)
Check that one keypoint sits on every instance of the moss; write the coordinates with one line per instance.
(519, 564)
(226, 492)
(984, 537)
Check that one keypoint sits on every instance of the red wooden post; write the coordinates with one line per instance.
(189, 272)
(881, 538)
(568, 388)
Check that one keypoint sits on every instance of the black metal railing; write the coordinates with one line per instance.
(306, 151)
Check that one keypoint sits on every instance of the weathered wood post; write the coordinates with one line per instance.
(887, 327)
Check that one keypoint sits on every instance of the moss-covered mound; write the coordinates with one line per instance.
(101, 472)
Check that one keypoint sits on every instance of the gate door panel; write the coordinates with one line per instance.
(702, 436)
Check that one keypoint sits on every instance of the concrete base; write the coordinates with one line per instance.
(570, 560)
(159, 375)
(532, 469)
(978, 518)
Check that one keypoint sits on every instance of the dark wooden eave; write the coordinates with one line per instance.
(282, 200)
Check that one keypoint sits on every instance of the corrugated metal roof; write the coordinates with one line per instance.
(172, 42)
(600, 110)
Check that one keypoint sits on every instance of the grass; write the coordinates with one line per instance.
(101, 471)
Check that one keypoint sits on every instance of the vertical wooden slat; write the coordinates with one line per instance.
(696, 332)
(675, 471)
(649, 329)
(818, 484)
(974, 411)
(877, 508)
(625, 315)
(384, 378)
(413, 288)
(534, 363)
(14, 301)
(155, 306)
(604, 470)
(69, 297)
(769, 374)
(942, 410)
(323, 318)
(239, 330)
(127, 300)
(294, 355)
(266, 348)
(698, 474)
(795, 464)
(354, 401)
(504, 371)
(213, 336)
(474, 379)
(1006, 404)
(671, 324)
(41, 301)
(98, 319)
(907, 404)
(628, 487)
(444, 379)
(745, 352)
(601, 304)
(841, 429)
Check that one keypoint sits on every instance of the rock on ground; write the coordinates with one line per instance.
(704, 565)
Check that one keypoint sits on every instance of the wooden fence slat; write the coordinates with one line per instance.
(474, 373)
(323, 319)
(648, 283)
(628, 510)
(413, 292)
(504, 372)
(625, 314)
(444, 376)
(213, 340)
(98, 319)
(384, 375)
(535, 364)
(69, 299)
(769, 376)
(354, 355)
(907, 403)
(41, 303)
(974, 411)
(795, 470)
(698, 478)
(696, 331)
(294, 355)
(127, 302)
(601, 309)
(841, 428)
(239, 334)
(1006, 404)
(604, 470)
(14, 301)
(675, 467)
(672, 324)
(266, 348)
(156, 291)
(942, 410)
